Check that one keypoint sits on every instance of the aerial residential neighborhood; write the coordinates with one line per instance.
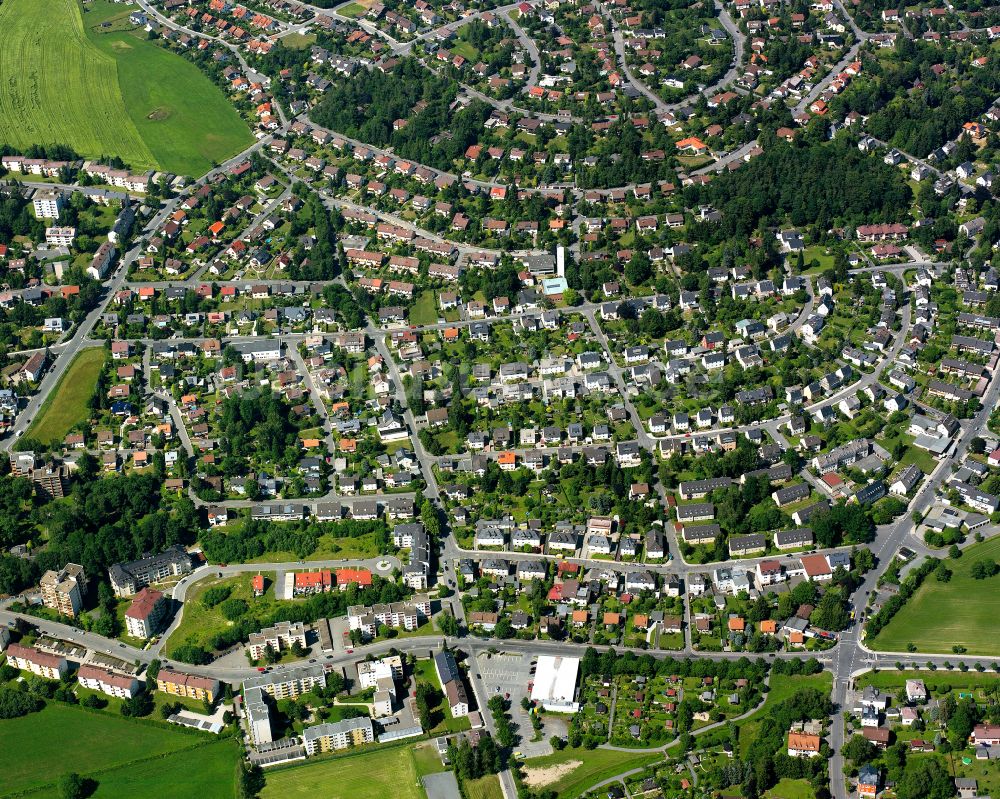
(462, 400)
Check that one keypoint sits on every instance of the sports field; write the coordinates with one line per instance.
(961, 612)
(41, 747)
(67, 404)
(375, 774)
(65, 79)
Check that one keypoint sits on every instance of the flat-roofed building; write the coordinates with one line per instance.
(63, 590)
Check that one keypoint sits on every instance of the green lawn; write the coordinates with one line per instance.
(781, 688)
(205, 772)
(466, 50)
(66, 405)
(199, 624)
(791, 789)
(485, 788)
(185, 119)
(62, 738)
(371, 774)
(961, 612)
(594, 766)
(108, 93)
(352, 10)
(424, 310)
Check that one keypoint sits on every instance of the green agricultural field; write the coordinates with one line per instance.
(371, 774)
(66, 405)
(62, 738)
(205, 772)
(65, 81)
(939, 616)
(58, 88)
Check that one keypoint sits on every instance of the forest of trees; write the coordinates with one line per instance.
(366, 107)
(821, 185)
(104, 521)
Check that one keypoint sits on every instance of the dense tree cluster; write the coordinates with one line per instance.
(251, 538)
(820, 185)
(105, 521)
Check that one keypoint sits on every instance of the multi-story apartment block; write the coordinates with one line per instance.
(48, 203)
(27, 658)
(287, 684)
(190, 686)
(338, 735)
(282, 635)
(63, 590)
(408, 615)
(145, 615)
(127, 578)
(107, 682)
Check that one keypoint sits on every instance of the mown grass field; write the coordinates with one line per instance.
(56, 87)
(374, 774)
(64, 81)
(484, 788)
(203, 772)
(185, 119)
(67, 404)
(939, 616)
(41, 747)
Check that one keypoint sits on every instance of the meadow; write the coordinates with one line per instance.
(61, 738)
(939, 616)
(370, 774)
(67, 404)
(86, 80)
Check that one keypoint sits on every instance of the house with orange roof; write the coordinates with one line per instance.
(346, 577)
(692, 144)
(507, 461)
(803, 744)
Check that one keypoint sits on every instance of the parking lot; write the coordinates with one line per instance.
(510, 674)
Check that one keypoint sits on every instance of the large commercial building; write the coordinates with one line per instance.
(555, 683)
(63, 590)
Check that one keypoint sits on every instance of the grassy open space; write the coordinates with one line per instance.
(58, 88)
(204, 772)
(62, 738)
(424, 310)
(594, 765)
(199, 624)
(370, 774)
(957, 681)
(185, 119)
(484, 788)
(68, 80)
(66, 406)
(781, 687)
(961, 612)
(791, 789)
